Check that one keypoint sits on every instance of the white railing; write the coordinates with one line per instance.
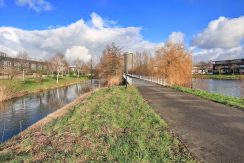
(156, 80)
(129, 80)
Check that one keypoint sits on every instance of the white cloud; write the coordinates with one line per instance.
(221, 33)
(97, 20)
(73, 40)
(37, 5)
(222, 39)
(177, 37)
(218, 54)
(79, 52)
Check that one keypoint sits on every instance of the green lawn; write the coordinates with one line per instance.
(227, 100)
(113, 125)
(218, 76)
(31, 85)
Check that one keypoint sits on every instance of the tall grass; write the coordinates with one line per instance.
(6, 90)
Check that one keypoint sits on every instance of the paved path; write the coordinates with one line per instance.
(213, 132)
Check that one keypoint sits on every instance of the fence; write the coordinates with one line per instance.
(156, 80)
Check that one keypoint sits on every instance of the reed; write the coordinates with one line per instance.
(5, 91)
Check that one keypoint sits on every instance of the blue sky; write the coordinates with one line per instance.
(156, 18)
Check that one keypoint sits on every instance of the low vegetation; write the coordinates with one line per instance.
(200, 76)
(112, 125)
(16, 86)
(227, 100)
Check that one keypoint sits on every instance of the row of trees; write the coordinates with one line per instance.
(56, 65)
(171, 62)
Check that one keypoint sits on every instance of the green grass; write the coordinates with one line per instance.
(113, 125)
(227, 100)
(201, 76)
(31, 85)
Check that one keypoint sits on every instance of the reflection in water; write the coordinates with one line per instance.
(225, 87)
(17, 114)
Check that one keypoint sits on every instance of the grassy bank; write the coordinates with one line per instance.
(202, 76)
(17, 86)
(112, 125)
(227, 100)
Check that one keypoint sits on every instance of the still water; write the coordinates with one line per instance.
(225, 87)
(18, 114)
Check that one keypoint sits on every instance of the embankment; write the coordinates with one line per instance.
(111, 125)
(15, 88)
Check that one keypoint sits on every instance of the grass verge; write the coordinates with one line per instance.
(112, 125)
(227, 100)
(30, 85)
(207, 76)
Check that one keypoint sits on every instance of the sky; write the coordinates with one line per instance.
(210, 29)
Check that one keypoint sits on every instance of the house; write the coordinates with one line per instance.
(234, 66)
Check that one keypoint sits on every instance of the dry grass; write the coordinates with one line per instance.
(5, 91)
(114, 80)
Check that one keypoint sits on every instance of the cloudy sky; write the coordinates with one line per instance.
(211, 30)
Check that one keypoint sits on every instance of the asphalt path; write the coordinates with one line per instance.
(211, 131)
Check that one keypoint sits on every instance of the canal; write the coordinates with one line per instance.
(226, 87)
(18, 114)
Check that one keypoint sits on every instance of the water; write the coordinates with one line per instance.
(18, 114)
(226, 87)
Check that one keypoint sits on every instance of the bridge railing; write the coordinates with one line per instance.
(156, 80)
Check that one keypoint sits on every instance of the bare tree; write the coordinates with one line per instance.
(78, 64)
(58, 64)
(39, 73)
(11, 72)
(204, 66)
(23, 61)
(111, 62)
(142, 63)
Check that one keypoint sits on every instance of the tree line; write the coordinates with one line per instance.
(171, 62)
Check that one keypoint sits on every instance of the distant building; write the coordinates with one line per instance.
(30, 65)
(234, 66)
(130, 61)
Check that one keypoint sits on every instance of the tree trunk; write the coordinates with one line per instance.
(23, 75)
(62, 71)
(78, 74)
(57, 76)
